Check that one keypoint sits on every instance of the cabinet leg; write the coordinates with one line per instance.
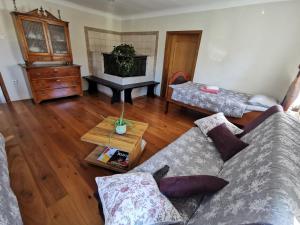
(167, 107)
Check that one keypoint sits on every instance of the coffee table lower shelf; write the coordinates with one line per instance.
(92, 159)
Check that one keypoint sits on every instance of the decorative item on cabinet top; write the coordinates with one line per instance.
(53, 81)
(42, 37)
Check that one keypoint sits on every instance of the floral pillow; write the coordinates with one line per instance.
(134, 198)
(206, 124)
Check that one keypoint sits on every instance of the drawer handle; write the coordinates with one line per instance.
(55, 70)
(58, 80)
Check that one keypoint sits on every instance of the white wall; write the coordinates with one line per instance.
(10, 54)
(241, 48)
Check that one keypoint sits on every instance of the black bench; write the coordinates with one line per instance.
(117, 88)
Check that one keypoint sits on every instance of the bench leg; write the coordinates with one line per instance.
(150, 91)
(128, 97)
(92, 87)
(116, 97)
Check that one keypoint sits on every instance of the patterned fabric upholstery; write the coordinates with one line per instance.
(9, 209)
(264, 184)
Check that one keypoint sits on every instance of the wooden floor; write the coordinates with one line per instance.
(52, 182)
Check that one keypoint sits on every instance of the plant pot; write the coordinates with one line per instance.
(121, 129)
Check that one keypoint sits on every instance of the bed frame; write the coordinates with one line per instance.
(290, 97)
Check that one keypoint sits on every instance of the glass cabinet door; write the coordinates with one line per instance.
(35, 36)
(58, 39)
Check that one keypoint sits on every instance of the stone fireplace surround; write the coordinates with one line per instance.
(100, 41)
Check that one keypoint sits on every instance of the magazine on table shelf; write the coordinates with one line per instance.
(114, 157)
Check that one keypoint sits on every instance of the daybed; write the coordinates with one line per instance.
(183, 92)
(264, 184)
(9, 209)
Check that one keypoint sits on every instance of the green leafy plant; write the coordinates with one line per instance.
(124, 55)
(121, 121)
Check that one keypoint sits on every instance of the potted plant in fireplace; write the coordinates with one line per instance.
(124, 57)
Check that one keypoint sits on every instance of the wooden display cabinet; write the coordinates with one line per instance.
(45, 38)
(42, 38)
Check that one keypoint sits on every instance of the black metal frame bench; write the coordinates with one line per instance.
(117, 88)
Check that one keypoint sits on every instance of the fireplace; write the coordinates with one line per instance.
(112, 68)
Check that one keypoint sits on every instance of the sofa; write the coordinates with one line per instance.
(9, 209)
(264, 178)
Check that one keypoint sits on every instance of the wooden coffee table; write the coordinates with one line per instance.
(103, 135)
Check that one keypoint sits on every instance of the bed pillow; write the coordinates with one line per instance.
(208, 123)
(262, 100)
(187, 186)
(136, 199)
(226, 142)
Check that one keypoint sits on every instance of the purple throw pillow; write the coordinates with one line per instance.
(226, 142)
(261, 118)
(186, 186)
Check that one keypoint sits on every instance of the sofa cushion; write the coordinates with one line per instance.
(9, 209)
(136, 199)
(208, 123)
(186, 186)
(226, 142)
(261, 118)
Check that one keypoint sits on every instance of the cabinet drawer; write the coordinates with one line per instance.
(53, 83)
(50, 72)
(57, 93)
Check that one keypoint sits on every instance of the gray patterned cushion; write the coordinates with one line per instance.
(9, 210)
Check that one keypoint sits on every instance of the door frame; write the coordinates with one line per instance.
(164, 79)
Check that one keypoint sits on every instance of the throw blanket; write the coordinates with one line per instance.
(231, 103)
(264, 184)
(9, 210)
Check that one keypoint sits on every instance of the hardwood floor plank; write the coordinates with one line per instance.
(56, 184)
(30, 201)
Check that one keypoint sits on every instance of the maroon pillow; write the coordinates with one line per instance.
(186, 186)
(261, 118)
(226, 142)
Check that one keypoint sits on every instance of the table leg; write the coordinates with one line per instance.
(128, 97)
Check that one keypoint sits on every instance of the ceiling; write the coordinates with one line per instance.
(150, 8)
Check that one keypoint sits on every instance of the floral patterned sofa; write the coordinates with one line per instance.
(9, 209)
(264, 178)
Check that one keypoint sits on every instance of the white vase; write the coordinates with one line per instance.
(121, 129)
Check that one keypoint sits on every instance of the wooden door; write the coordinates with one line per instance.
(181, 53)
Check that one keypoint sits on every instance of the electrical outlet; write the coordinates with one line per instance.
(15, 82)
